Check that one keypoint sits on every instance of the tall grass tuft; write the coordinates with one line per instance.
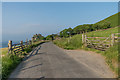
(8, 64)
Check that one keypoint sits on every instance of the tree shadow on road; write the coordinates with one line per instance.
(30, 67)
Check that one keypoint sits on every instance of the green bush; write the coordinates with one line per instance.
(27, 50)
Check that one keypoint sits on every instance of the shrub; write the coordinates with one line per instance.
(27, 50)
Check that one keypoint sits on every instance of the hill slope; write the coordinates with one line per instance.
(112, 19)
(75, 42)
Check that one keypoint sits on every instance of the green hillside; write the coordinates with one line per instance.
(112, 19)
(107, 23)
(103, 28)
(75, 42)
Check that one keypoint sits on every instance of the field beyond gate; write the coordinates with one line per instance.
(100, 43)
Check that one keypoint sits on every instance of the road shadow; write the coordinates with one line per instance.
(39, 53)
(31, 53)
(30, 67)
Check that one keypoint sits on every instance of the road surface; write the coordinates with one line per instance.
(50, 61)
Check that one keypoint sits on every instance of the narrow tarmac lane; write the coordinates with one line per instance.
(50, 61)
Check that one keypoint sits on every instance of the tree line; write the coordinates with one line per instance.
(77, 30)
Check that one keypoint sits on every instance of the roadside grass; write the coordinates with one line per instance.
(103, 33)
(112, 57)
(10, 61)
(70, 43)
(75, 42)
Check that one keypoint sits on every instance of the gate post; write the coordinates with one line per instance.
(83, 39)
(26, 43)
(30, 43)
(21, 43)
(32, 40)
(113, 39)
(10, 47)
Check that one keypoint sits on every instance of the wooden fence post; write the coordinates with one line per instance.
(113, 39)
(26, 43)
(83, 39)
(10, 47)
(30, 43)
(26, 40)
(68, 40)
(21, 43)
(32, 40)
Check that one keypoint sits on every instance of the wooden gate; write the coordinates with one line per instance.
(100, 43)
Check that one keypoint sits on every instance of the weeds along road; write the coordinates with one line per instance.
(50, 61)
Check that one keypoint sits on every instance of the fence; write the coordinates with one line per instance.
(18, 48)
(100, 43)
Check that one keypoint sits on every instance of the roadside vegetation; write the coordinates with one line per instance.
(10, 61)
(75, 42)
(72, 39)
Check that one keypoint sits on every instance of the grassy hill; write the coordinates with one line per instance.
(111, 54)
(75, 41)
(112, 19)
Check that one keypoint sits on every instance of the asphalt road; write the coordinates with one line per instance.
(50, 61)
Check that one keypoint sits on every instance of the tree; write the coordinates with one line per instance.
(66, 32)
(78, 29)
(49, 37)
(70, 31)
(39, 37)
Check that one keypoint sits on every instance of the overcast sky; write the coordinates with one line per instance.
(23, 19)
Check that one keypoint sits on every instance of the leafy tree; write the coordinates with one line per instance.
(70, 31)
(55, 36)
(95, 27)
(66, 32)
(78, 29)
(39, 37)
(49, 37)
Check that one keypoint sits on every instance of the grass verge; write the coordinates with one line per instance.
(10, 61)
